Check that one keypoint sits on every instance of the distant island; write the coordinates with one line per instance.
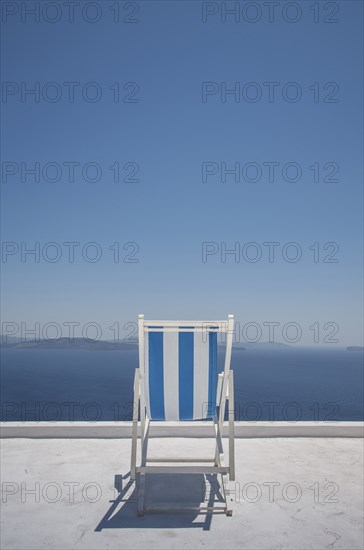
(109, 345)
(260, 345)
(105, 345)
(68, 343)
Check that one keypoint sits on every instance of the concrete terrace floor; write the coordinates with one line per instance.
(321, 507)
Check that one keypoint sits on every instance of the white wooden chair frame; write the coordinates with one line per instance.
(225, 392)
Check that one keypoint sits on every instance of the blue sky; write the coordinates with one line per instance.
(169, 133)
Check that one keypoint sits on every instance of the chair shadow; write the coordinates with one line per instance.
(166, 491)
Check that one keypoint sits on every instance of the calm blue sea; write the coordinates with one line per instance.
(274, 384)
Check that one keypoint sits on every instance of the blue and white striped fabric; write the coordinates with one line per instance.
(180, 374)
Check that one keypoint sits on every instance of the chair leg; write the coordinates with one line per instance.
(231, 428)
(219, 461)
(141, 493)
(219, 450)
(133, 451)
(141, 484)
(135, 426)
(142, 424)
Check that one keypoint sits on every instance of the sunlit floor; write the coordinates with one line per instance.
(294, 493)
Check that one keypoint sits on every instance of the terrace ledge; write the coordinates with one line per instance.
(122, 429)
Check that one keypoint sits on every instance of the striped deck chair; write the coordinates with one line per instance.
(178, 380)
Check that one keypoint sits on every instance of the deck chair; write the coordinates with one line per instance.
(178, 380)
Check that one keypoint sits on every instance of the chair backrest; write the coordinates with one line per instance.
(179, 369)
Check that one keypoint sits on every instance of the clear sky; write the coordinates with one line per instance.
(298, 100)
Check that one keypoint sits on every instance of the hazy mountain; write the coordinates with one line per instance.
(260, 345)
(67, 343)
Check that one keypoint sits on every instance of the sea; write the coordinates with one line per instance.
(289, 384)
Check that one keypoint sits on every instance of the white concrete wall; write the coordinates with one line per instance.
(117, 430)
